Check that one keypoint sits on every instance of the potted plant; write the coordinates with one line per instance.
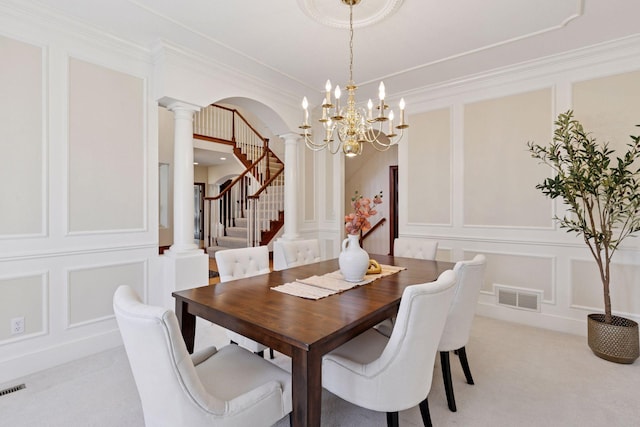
(602, 194)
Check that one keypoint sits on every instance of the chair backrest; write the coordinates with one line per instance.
(470, 278)
(242, 262)
(292, 253)
(415, 248)
(167, 382)
(413, 343)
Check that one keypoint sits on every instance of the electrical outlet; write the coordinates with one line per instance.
(17, 325)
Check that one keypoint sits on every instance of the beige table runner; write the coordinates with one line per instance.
(316, 287)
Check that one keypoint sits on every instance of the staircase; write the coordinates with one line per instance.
(250, 211)
(236, 236)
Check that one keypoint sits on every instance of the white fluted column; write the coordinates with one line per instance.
(291, 142)
(183, 205)
(290, 198)
(185, 264)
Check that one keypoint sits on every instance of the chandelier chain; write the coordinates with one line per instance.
(351, 43)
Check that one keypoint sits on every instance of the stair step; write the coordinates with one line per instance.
(271, 207)
(232, 242)
(237, 232)
(241, 222)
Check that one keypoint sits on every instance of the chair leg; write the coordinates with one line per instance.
(392, 419)
(424, 411)
(271, 353)
(462, 353)
(260, 353)
(446, 376)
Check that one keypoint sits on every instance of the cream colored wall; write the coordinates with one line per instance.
(608, 107)
(78, 179)
(22, 184)
(430, 166)
(476, 137)
(499, 176)
(369, 174)
(218, 174)
(110, 195)
(201, 174)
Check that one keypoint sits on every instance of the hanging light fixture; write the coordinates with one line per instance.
(352, 126)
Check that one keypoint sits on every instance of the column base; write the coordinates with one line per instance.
(184, 247)
(279, 262)
(184, 270)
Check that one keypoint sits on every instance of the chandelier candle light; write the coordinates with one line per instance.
(353, 126)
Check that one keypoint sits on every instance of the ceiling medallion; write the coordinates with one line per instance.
(331, 13)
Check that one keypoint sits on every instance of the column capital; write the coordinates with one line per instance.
(183, 106)
(290, 137)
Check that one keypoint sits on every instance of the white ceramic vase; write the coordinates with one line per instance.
(353, 260)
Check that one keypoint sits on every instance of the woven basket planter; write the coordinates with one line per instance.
(616, 342)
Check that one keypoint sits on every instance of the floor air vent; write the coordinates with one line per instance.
(518, 298)
(12, 389)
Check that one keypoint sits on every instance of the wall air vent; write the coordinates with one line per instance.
(12, 389)
(524, 299)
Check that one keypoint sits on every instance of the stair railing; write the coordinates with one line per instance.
(371, 230)
(228, 126)
(234, 202)
(266, 210)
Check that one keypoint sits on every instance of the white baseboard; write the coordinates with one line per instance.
(535, 319)
(41, 359)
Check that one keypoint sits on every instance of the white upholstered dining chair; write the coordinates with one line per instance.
(226, 387)
(458, 326)
(237, 264)
(391, 374)
(415, 248)
(409, 248)
(292, 253)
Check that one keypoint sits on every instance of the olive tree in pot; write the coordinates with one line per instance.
(602, 194)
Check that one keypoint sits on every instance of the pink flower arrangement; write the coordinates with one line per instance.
(363, 208)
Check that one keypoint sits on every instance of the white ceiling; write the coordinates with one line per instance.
(417, 43)
(408, 43)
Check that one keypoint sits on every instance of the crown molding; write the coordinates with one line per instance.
(612, 57)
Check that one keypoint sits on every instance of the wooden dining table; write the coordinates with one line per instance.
(303, 329)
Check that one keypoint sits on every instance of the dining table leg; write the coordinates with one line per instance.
(306, 377)
(187, 323)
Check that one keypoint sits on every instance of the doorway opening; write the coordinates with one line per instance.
(198, 204)
(393, 206)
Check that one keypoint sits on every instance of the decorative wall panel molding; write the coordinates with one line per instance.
(107, 150)
(90, 290)
(23, 142)
(499, 175)
(521, 271)
(24, 297)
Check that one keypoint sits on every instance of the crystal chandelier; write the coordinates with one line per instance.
(352, 126)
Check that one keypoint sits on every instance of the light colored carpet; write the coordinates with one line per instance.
(524, 377)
